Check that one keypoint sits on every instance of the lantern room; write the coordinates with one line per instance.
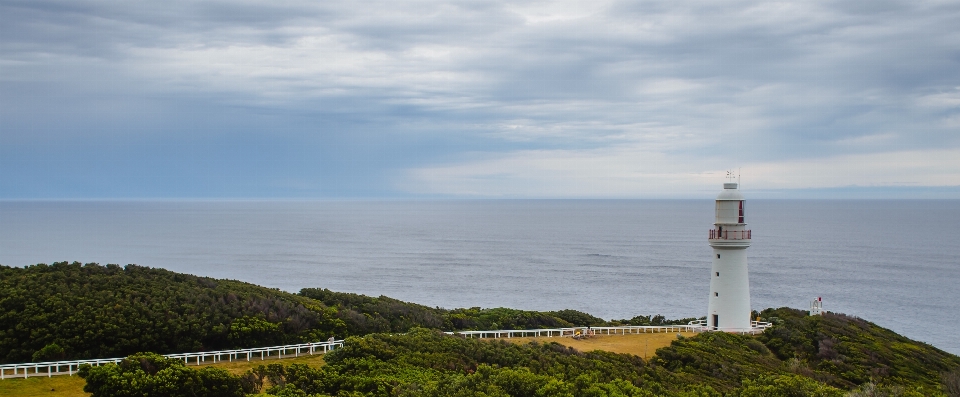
(729, 205)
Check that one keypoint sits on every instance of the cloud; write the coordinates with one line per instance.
(632, 172)
(408, 95)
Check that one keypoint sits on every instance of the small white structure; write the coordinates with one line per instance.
(729, 303)
(816, 307)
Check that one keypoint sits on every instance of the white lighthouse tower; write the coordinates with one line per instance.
(729, 305)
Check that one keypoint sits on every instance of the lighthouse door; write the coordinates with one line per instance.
(716, 321)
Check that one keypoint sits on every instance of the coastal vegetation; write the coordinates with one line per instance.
(78, 311)
(395, 348)
(426, 362)
(73, 311)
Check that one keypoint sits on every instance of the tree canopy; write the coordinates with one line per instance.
(73, 311)
(80, 311)
(395, 348)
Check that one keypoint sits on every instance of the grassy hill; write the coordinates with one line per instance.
(396, 349)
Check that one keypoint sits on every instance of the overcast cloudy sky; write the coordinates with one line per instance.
(329, 99)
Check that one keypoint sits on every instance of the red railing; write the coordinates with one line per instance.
(730, 235)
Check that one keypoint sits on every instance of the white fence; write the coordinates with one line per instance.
(573, 331)
(70, 367)
(693, 326)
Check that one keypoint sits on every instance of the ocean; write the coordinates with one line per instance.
(896, 262)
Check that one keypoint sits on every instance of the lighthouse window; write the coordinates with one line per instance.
(718, 274)
(716, 294)
(718, 256)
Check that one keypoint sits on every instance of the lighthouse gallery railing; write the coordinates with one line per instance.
(730, 234)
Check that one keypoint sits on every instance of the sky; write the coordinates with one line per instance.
(478, 99)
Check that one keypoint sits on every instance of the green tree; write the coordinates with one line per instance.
(251, 331)
(50, 352)
(152, 375)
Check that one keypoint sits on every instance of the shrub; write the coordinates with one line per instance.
(787, 386)
(152, 375)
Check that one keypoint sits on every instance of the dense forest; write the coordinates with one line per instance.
(78, 311)
(394, 348)
(74, 311)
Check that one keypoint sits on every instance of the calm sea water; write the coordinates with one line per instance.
(896, 263)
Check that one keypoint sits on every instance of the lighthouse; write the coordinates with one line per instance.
(729, 304)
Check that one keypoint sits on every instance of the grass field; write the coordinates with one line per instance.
(59, 386)
(239, 367)
(643, 345)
